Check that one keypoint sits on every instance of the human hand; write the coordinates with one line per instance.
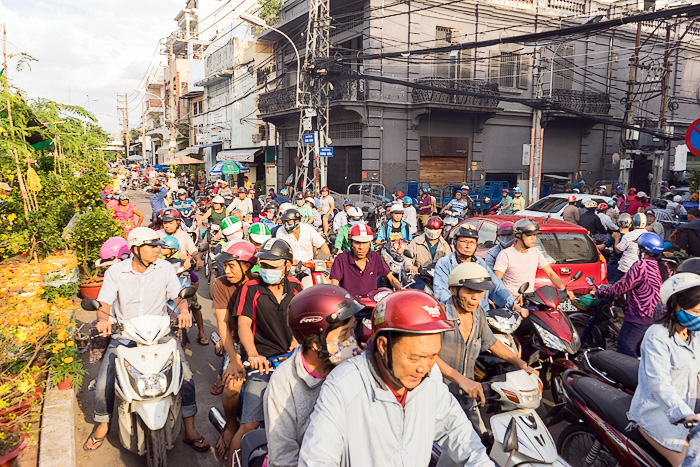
(571, 295)
(184, 319)
(413, 270)
(234, 371)
(530, 370)
(472, 389)
(259, 363)
(104, 326)
(524, 312)
(616, 236)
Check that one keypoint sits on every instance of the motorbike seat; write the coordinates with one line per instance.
(253, 446)
(612, 404)
(619, 367)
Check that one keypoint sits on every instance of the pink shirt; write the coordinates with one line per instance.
(518, 268)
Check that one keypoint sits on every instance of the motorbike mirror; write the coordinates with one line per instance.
(590, 280)
(510, 440)
(90, 304)
(533, 358)
(187, 292)
(523, 288)
(577, 276)
(408, 254)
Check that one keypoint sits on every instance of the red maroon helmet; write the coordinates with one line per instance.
(360, 233)
(240, 250)
(169, 214)
(505, 228)
(314, 309)
(434, 222)
(412, 311)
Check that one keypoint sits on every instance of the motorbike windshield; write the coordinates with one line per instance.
(567, 248)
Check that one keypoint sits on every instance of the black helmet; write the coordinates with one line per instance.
(466, 230)
(290, 215)
(299, 195)
(241, 189)
(275, 248)
(526, 226)
(689, 265)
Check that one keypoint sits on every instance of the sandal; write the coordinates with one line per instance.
(193, 443)
(95, 439)
(217, 389)
(221, 440)
(201, 340)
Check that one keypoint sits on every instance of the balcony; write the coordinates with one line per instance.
(463, 102)
(284, 99)
(589, 102)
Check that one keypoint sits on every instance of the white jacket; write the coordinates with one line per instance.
(358, 421)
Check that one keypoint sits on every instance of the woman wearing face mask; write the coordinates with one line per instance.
(307, 213)
(427, 249)
(504, 238)
(354, 217)
(668, 372)
(322, 321)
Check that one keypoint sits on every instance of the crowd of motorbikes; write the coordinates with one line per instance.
(591, 387)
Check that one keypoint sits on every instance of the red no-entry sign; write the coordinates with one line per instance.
(692, 138)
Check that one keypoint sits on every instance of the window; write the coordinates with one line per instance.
(450, 65)
(509, 70)
(444, 34)
(197, 108)
(567, 248)
(550, 204)
(563, 67)
(345, 130)
(487, 235)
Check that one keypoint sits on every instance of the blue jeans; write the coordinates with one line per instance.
(631, 335)
(614, 274)
(104, 388)
(418, 284)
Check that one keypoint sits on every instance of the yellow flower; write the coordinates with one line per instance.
(68, 360)
(70, 344)
(55, 350)
(62, 336)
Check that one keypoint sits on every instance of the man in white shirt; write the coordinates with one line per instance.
(341, 218)
(627, 245)
(243, 204)
(172, 187)
(519, 263)
(410, 216)
(303, 238)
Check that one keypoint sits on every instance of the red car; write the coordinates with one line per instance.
(567, 246)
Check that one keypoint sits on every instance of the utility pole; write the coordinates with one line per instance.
(127, 141)
(171, 102)
(313, 96)
(143, 129)
(626, 161)
(536, 134)
(663, 111)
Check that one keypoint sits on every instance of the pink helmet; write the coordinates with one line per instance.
(241, 250)
(112, 251)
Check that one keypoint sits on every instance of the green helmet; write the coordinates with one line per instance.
(171, 242)
(230, 225)
(259, 233)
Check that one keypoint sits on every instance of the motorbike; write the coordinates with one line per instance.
(549, 334)
(147, 385)
(519, 436)
(314, 272)
(503, 322)
(394, 252)
(188, 224)
(211, 269)
(451, 218)
(363, 328)
(614, 368)
(599, 435)
(597, 329)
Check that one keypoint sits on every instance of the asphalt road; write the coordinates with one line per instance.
(204, 365)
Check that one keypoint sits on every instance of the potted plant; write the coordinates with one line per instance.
(66, 369)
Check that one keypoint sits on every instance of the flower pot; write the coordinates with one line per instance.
(9, 459)
(90, 288)
(64, 385)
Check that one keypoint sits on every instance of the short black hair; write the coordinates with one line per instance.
(694, 212)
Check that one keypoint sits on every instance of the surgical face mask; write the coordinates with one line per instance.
(432, 234)
(300, 202)
(341, 351)
(506, 242)
(687, 320)
(235, 236)
(354, 222)
(291, 227)
(271, 276)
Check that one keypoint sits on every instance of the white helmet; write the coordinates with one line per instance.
(218, 199)
(354, 213)
(677, 199)
(677, 283)
(140, 236)
(285, 206)
(396, 208)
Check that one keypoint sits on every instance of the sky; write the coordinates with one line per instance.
(88, 51)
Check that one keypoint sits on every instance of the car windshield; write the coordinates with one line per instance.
(548, 204)
(567, 248)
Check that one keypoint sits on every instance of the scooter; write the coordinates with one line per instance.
(363, 327)
(503, 322)
(599, 435)
(549, 334)
(597, 328)
(147, 385)
(314, 272)
(452, 218)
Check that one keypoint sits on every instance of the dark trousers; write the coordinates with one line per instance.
(631, 335)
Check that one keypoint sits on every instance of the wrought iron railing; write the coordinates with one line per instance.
(582, 101)
(434, 96)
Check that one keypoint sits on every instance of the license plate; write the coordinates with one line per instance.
(566, 306)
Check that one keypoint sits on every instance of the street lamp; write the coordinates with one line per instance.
(258, 21)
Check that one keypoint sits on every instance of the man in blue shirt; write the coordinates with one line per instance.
(183, 203)
(465, 242)
(158, 199)
(458, 203)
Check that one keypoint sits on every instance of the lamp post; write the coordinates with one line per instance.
(257, 21)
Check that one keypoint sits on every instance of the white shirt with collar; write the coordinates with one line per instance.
(303, 248)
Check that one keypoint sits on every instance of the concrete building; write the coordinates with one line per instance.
(386, 133)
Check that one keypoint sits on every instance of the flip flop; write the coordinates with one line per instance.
(221, 439)
(94, 440)
(202, 340)
(193, 442)
(217, 389)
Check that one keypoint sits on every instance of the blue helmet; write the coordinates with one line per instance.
(650, 242)
(407, 200)
(171, 242)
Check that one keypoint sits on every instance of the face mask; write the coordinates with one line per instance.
(505, 242)
(432, 234)
(235, 236)
(291, 227)
(271, 276)
(300, 202)
(685, 319)
(341, 351)
(352, 223)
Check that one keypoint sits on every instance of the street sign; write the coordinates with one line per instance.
(308, 138)
(692, 138)
(325, 152)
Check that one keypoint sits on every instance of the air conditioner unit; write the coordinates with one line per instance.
(257, 137)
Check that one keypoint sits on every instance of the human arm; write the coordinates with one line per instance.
(204, 218)
(556, 280)
(500, 350)
(499, 294)
(319, 242)
(621, 244)
(281, 423)
(245, 334)
(140, 215)
(394, 282)
(471, 388)
(628, 282)
(441, 290)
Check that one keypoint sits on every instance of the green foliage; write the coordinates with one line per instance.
(64, 362)
(63, 291)
(259, 186)
(693, 176)
(91, 231)
(270, 11)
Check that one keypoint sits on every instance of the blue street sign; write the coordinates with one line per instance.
(308, 138)
(325, 152)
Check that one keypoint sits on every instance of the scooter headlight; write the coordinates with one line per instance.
(153, 385)
(549, 339)
(507, 325)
